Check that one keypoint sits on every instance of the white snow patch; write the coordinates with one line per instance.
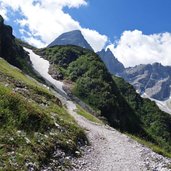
(163, 105)
(42, 67)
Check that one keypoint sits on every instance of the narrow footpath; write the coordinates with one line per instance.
(110, 150)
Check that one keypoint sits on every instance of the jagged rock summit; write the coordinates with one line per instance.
(112, 63)
(74, 37)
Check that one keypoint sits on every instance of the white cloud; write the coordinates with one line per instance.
(96, 40)
(46, 20)
(3, 11)
(33, 41)
(135, 48)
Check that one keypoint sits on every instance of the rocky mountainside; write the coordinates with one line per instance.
(113, 65)
(10, 49)
(153, 80)
(71, 38)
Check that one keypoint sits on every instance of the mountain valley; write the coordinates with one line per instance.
(44, 92)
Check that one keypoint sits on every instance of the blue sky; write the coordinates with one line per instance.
(136, 31)
(113, 17)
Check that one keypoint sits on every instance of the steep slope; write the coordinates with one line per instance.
(153, 80)
(35, 127)
(90, 81)
(71, 38)
(11, 51)
(112, 64)
(93, 84)
(156, 122)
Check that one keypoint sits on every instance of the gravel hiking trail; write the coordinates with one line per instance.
(110, 150)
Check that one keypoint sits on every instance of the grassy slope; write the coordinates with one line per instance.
(88, 116)
(33, 122)
(95, 86)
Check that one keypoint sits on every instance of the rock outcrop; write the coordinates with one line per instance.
(10, 50)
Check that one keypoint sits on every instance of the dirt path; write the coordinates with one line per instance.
(110, 150)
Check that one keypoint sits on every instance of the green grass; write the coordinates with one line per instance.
(87, 115)
(17, 74)
(33, 123)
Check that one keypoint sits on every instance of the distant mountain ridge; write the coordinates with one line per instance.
(152, 79)
(74, 37)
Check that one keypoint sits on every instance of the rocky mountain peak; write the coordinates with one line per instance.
(111, 62)
(74, 37)
(1, 20)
